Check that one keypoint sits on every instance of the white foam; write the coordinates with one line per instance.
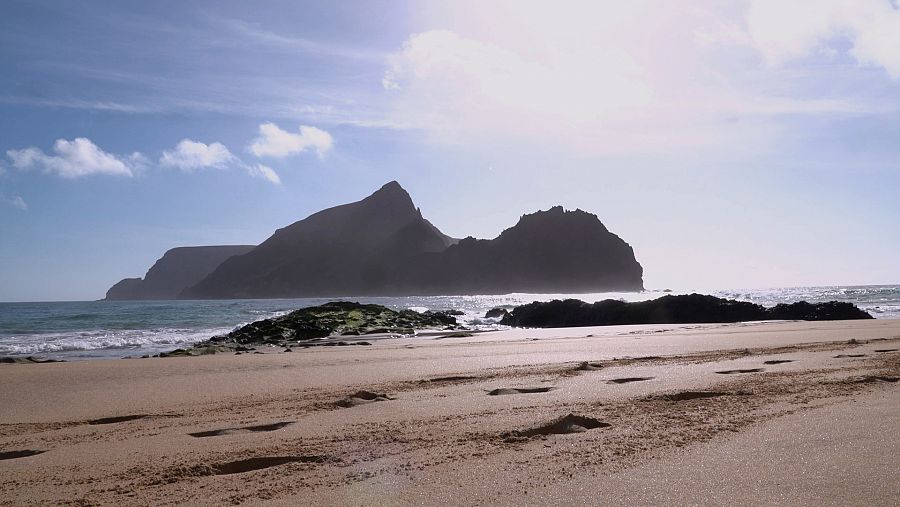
(50, 343)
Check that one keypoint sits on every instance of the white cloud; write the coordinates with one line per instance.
(582, 91)
(461, 85)
(73, 159)
(265, 172)
(14, 201)
(783, 31)
(278, 143)
(138, 161)
(189, 155)
(615, 78)
(81, 157)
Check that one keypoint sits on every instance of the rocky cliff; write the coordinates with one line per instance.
(349, 249)
(547, 251)
(382, 246)
(177, 269)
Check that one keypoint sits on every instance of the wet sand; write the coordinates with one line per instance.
(752, 414)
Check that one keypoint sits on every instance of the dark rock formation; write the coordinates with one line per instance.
(689, 309)
(494, 313)
(341, 318)
(831, 310)
(177, 269)
(308, 326)
(383, 246)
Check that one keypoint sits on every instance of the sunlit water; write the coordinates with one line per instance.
(108, 329)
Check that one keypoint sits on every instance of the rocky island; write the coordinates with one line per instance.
(383, 246)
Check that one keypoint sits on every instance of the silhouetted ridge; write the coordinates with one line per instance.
(382, 245)
(178, 269)
(392, 192)
(348, 249)
(546, 251)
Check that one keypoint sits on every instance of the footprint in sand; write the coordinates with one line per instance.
(627, 380)
(452, 378)
(690, 395)
(245, 429)
(520, 390)
(252, 464)
(117, 419)
(569, 424)
(19, 454)
(361, 398)
(877, 379)
(746, 370)
(588, 366)
(778, 361)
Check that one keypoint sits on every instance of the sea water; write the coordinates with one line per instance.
(115, 329)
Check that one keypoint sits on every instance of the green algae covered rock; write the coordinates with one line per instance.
(336, 318)
(307, 326)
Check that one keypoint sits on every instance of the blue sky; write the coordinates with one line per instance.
(733, 144)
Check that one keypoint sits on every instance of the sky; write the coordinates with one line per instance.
(733, 144)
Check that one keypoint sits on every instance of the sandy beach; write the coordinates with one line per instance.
(799, 413)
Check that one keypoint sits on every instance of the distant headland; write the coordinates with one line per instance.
(383, 246)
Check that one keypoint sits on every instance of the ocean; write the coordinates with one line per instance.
(115, 329)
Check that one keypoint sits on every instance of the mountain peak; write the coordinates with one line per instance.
(556, 222)
(392, 196)
(391, 188)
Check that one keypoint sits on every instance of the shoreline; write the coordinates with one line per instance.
(507, 333)
(81, 330)
(121, 431)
